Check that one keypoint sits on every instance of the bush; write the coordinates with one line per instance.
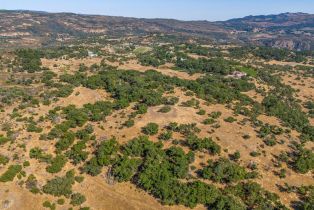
(65, 141)
(10, 174)
(304, 161)
(195, 143)
(165, 109)
(105, 155)
(235, 156)
(150, 129)
(255, 154)
(26, 164)
(106, 151)
(51, 206)
(230, 120)
(165, 136)
(223, 171)
(282, 173)
(77, 199)
(92, 167)
(201, 112)
(3, 140)
(38, 154)
(141, 108)
(31, 184)
(124, 169)
(215, 115)
(255, 197)
(270, 142)
(129, 123)
(209, 121)
(60, 186)
(77, 153)
(33, 128)
(171, 100)
(60, 201)
(229, 202)
(57, 164)
(79, 179)
(3, 160)
(29, 59)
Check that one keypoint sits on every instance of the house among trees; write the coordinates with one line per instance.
(237, 74)
(92, 54)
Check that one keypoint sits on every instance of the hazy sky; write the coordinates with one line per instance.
(179, 9)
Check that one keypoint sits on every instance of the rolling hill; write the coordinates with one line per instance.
(31, 28)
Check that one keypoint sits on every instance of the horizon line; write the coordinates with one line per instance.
(165, 18)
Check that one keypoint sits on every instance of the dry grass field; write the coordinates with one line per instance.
(241, 135)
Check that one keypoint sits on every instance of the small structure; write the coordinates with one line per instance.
(92, 54)
(237, 74)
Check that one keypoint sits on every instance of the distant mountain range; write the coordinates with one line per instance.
(30, 28)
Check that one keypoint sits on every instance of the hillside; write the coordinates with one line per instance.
(119, 113)
(28, 28)
(140, 123)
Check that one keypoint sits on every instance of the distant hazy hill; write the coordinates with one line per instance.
(288, 30)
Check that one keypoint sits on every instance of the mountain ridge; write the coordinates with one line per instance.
(294, 31)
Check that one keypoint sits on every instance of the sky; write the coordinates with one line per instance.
(212, 10)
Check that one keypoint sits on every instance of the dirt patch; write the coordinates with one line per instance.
(60, 66)
(82, 95)
(165, 69)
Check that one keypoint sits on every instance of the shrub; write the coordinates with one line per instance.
(150, 129)
(171, 100)
(29, 59)
(196, 143)
(215, 115)
(79, 179)
(3, 160)
(57, 164)
(26, 164)
(165, 136)
(38, 153)
(31, 184)
(125, 168)
(235, 156)
(77, 199)
(165, 109)
(77, 153)
(33, 128)
(105, 152)
(129, 123)
(65, 141)
(230, 120)
(92, 167)
(141, 108)
(304, 161)
(255, 197)
(209, 121)
(51, 206)
(270, 142)
(255, 154)
(60, 201)
(105, 155)
(10, 174)
(282, 173)
(60, 186)
(201, 112)
(3, 140)
(223, 171)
